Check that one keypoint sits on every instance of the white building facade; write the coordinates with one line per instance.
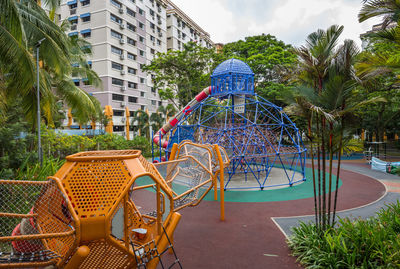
(124, 35)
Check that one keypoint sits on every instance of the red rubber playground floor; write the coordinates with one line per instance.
(249, 238)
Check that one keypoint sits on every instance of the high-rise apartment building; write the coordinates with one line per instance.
(124, 35)
(182, 29)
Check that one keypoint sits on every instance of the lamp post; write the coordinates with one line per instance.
(38, 100)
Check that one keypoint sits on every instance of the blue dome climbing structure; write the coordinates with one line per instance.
(257, 135)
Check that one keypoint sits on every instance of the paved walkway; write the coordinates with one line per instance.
(249, 238)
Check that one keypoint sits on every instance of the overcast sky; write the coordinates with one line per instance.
(289, 20)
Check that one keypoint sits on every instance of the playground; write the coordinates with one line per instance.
(231, 181)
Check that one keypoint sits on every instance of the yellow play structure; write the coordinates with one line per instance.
(105, 209)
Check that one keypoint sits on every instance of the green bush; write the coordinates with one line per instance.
(19, 161)
(371, 243)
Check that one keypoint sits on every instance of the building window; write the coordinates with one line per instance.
(117, 66)
(153, 90)
(132, 99)
(116, 3)
(131, 56)
(159, 103)
(86, 18)
(141, 25)
(153, 102)
(151, 12)
(117, 97)
(141, 11)
(118, 128)
(131, 113)
(115, 18)
(152, 25)
(159, 42)
(142, 94)
(152, 38)
(133, 1)
(131, 27)
(141, 66)
(76, 82)
(87, 34)
(130, 12)
(118, 113)
(85, 3)
(86, 81)
(116, 81)
(116, 50)
(132, 85)
(73, 6)
(131, 70)
(141, 52)
(152, 51)
(142, 80)
(116, 34)
(131, 41)
(142, 107)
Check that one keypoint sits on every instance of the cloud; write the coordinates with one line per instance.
(289, 20)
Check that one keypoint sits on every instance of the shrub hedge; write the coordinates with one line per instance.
(371, 243)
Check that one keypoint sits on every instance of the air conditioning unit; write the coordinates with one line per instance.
(121, 10)
(159, 9)
(122, 72)
(123, 88)
(122, 104)
(122, 41)
(153, 18)
(72, 11)
(159, 21)
(122, 26)
(154, 43)
(122, 56)
(73, 27)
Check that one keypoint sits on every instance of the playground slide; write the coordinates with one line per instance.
(158, 137)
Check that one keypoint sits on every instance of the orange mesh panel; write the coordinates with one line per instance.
(105, 256)
(104, 155)
(54, 217)
(36, 226)
(149, 167)
(93, 187)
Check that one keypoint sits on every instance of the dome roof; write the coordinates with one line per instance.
(232, 66)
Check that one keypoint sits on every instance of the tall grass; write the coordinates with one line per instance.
(33, 170)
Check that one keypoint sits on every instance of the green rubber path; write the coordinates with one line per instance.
(300, 191)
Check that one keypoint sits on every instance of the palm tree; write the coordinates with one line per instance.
(388, 9)
(327, 80)
(22, 24)
(141, 123)
(161, 116)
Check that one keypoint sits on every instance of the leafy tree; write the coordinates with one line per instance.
(180, 75)
(269, 59)
(378, 68)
